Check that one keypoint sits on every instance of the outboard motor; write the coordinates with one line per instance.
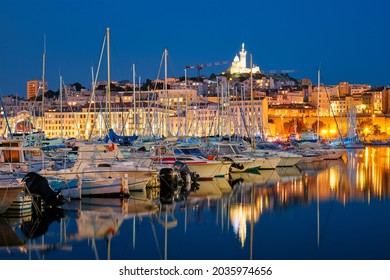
(188, 180)
(177, 182)
(168, 185)
(38, 185)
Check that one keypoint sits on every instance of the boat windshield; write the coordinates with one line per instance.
(192, 151)
(178, 152)
(228, 150)
(266, 146)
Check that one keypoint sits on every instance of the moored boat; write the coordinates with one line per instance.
(10, 188)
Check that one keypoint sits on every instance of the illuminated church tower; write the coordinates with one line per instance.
(239, 63)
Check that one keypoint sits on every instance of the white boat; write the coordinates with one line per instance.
(206, 167)
(10, 188)
(69, 187)
(89, 184)
(229, 151)
(270, 161)
(320, 151)
(21, 206)
(103, 186)
(15, 157)
(287, 159)
(106, 161)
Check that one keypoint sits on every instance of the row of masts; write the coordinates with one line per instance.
(108, 116)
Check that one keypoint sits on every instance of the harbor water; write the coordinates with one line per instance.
(328, 210)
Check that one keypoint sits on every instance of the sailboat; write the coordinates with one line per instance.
(352, 140)
(313, 149)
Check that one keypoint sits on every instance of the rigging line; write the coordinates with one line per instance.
(94, 81)
(331, 109)
(150, 110)
(123, 119)
(212, 123)
(159, 70)
(134, 103)
(148, 125)
(104, 118)
(126, 119)
(243, 117)
(71, 109)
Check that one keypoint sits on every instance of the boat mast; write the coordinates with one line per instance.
(6, 118)
(318, 107)
(141, 108)
(252, 104)
(43, 82)
(93, 95)
(218, 109)
(228, 112)
(61, 120)
(166, 91)
(185, 92)
(134, 108)
(108, 78)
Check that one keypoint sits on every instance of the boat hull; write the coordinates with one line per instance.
(103, 187)
(9, 192)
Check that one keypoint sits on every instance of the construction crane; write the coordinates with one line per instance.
(278, 71)
(201, 66)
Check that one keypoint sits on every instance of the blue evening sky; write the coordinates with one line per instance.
(348, 40)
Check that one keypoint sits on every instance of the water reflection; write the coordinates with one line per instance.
(363, 177)
(287, 213)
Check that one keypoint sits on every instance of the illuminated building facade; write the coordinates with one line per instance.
(34, 88)
(239, 64)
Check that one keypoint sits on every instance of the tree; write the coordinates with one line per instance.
(213, 77)
(77, 86)
(148, 85)
(112, 87)
(51, 94)
(320, 124)
(368, 127)
(289, 127)
(376, 129)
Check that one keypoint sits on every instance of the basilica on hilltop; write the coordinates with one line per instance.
(239, 64)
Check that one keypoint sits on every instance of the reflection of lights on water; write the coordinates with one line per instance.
(333, 178)
(387, 158)
(238, 217)
(366, 157)
(241, 214)
(367, 179)
(360, 178)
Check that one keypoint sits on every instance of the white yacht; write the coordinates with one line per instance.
(96, 161)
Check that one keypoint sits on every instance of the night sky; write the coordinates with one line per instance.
(347, 40)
